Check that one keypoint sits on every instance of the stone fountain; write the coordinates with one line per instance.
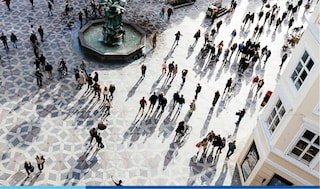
(111, 38)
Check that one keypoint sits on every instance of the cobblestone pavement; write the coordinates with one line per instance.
(55, 120)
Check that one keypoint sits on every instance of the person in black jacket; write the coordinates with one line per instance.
(240, 114)
(198, 90)
(29, 168)
(215, 98)
(152, 99)
(232, 147)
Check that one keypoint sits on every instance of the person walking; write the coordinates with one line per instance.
(41, 33)
(90, 82)
(40, 162)
(176, 41)
(153, 100)
(162, 102)
(221, 145)
(268, 54)
(215, 98)
(259, 32)
(240, 113)
(197, 35)
(232, 147)
(260, 84)
(192, 106)
(169, 12)
(170, 68)
(164, 67)
(28, 167)
(38, 75)
(93, 134)
(218, 25)
(233, 49)
(112, 88)
(233, 35)
(81, 80)
(105, 93)
(14, 39)
(42, 60)
(245, 20)
(175, 71)
(255, 80)
(154, 40)
(8, 4)
(266, 16)
(283, 59)
(3, 38)
(37, 63)
(142, 103)
(176, 97)
(162, 12)
(97, 90)
(260, 14)
(95, 77)
(228, 85)
(290, 22)
(83, 66)
(198, 90)
(184, 75)
(63, 65)
(48, 68)
(50, 9)
(143, 70)
(80, 18)
(99, 141)
(181, 101)
(119, 183)
(32, 5)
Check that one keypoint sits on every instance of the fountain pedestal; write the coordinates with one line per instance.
(92, 42)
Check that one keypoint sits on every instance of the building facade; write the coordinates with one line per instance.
(283, 148)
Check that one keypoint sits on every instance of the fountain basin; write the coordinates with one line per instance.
(91, 41)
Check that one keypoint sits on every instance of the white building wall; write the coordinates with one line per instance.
(302, 109)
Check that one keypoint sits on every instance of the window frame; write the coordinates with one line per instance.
(276, 114)
(301, 72)
(310, 143)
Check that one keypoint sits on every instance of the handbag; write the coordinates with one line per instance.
(31, 168)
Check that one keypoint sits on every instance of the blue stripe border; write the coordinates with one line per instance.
(156, 187)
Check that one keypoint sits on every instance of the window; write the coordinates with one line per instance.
(250, 161)
(279, 181)
(275, 116)
(307, 147)
(302, 70)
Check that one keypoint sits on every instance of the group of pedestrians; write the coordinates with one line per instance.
(211, 140)
(163, 13)
(94, 134)
(13, 39)
(249, 52)
(40, 160)
(94, 87)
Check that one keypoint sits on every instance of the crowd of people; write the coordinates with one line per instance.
(248, 54)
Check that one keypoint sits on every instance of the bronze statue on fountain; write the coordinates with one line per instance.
(113, 32)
